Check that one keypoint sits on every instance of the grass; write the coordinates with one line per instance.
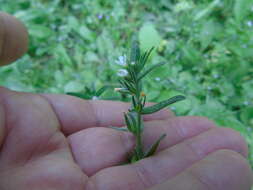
(207, 45)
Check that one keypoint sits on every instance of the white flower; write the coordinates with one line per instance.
(132, 63)
(173, 108)
(118, 89)
(172, 80)
(250, 23)
(121, 60)
(122, 72)
(95, 98)
(249, 129)
(246, 103)
(157, 78)
(216, 75)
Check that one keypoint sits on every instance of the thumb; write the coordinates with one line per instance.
(13, 39)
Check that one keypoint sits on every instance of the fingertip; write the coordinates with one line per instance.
(13, 39)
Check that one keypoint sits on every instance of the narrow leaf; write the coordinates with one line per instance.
(149, 70)
(101, 91)
(161, 105)
(206, 11)
(144, 101)
(120, 128)
(134, 157)
(79, 95)
(130, 86)
(154, 147)
(123, 91)
(144, 58)
(88, 90)
(132, 74)
(134, 101)
(127, 120)
(128, 123)
(132, 115)
(135, 52)
(148, 55)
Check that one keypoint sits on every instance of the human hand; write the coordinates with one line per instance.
(61, 142)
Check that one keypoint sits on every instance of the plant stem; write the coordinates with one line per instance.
(139, 136)
(138, 110)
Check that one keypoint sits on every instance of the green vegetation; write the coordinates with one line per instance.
(207, 45)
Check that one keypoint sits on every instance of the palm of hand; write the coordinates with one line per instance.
(56, 146)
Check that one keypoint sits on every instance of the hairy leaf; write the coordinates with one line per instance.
(154, 147)
(101, 90)
(119, 129)
(161, 105)
(79, 95)
(149, 70)
(135, 52)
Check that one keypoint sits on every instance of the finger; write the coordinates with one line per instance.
(177, 129)
(223, 169)
(76, 114)
(13, 39)
(170, 162)
(97, 148)
(111, 147)
(32, 130)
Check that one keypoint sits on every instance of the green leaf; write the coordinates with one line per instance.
(104, 43)
(128, 123)
(128, 85)
(246, 115)
(132, 74)
(205, 12)
(241, 9)
(134, 101)
(161, 105)
(119, 129)
(149, 37)
(79, 95)
(73, 86)
(101, 90)
(135, 52)
(62, 55)
(144, 59)
(147, 55)
(154, 147)
(85, 33)
(149, 70)
(134, 157)
(124, 91)
(208, 32)
(39, 31)
(133, 116)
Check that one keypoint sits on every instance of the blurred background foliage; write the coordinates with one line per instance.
(207, 44)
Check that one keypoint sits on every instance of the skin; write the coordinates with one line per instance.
(58, 142)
